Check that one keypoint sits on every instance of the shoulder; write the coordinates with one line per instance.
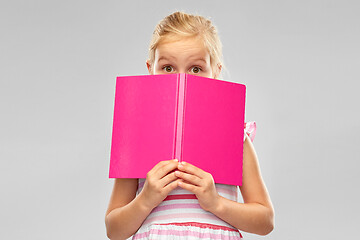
(248, 148)
(251, 168)
(249, 153)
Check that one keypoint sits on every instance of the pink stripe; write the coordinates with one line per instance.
(180, 196)
(171, 232)
(176, 206)
(170, 217)
(201, 225)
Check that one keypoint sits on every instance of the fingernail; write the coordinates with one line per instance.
(175, 160)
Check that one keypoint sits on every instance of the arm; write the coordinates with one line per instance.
(255, 215)
(126, 211)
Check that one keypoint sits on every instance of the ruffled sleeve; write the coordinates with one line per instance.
(250, 130)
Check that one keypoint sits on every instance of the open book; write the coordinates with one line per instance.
(194, 119)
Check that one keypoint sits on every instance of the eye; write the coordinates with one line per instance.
(168, 68)
(195, 69)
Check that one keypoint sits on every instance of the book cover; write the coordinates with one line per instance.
(194, 119)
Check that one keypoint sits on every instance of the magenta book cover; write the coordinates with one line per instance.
(194, 119)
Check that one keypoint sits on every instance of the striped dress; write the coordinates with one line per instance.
(180, 216)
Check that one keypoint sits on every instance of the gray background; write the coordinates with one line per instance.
(59, 60)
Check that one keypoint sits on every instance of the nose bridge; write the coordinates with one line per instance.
(182, 70)
(182, 66)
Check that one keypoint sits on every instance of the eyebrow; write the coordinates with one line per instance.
(199, 59)
(195, 58)
(172, 58)
(165, 58)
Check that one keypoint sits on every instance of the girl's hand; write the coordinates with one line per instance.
(200, 183)
(160, 180)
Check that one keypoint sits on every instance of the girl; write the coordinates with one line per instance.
(180, 200)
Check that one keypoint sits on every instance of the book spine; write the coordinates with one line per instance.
(181, 81)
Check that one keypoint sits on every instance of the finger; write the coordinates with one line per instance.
(167, 179)
(193, 179)
(159, 165)
(171, 186)
(188, 186)
(189, 168)
(166, 168)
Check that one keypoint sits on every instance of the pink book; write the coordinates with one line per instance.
(194, 119)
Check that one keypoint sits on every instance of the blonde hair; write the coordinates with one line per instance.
(180, 25)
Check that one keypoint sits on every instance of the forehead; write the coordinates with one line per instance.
(182, 48)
